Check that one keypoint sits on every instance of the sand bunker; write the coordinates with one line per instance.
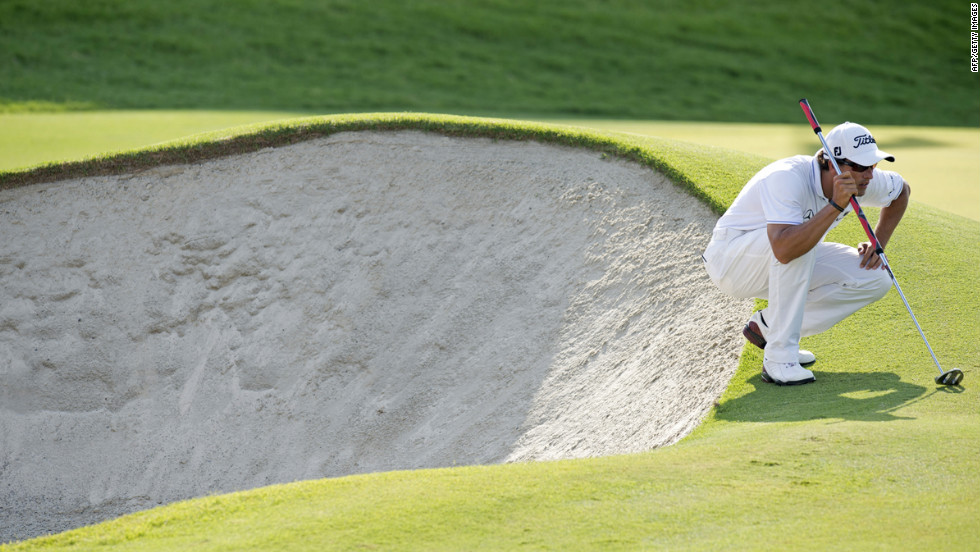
(358, 303)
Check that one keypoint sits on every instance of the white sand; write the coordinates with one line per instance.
(364, 302)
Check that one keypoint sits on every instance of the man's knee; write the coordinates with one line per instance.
(880, 284)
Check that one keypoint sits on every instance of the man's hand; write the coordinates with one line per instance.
(869, 258)
(887, 222)
(845, 186)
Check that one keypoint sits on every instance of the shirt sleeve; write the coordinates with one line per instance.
(884, 187)
(781, 198)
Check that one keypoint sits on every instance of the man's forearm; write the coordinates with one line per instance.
(890, 216)
(789, 241)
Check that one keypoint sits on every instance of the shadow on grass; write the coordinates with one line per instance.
(874, 397)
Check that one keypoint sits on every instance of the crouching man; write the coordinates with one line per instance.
(770, 245)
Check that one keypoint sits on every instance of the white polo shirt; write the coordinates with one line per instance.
(788, 192)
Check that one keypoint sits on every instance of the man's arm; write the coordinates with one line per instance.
(791, 241)
(888, 220)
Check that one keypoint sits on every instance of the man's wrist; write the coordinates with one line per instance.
(835, 206)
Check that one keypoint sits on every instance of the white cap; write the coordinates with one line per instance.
(853, 142)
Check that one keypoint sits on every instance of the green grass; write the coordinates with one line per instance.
(744, 497)
(904, 63)
(873, 456)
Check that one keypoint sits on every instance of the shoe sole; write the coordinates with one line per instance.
(754, 336)
(751, 332)
(767, 379)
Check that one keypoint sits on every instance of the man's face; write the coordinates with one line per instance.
(862, 174)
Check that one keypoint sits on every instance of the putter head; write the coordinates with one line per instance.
(951, 377)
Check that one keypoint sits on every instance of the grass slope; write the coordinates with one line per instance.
(884, 62)
(874, 456)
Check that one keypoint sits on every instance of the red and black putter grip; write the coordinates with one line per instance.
(809, 115)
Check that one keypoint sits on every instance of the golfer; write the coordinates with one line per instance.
(770, 245)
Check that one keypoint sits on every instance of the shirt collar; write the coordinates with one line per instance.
(815, 178)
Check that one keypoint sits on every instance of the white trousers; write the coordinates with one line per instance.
(806, 296)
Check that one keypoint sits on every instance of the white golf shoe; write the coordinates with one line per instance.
(755, 331)
(786, 373)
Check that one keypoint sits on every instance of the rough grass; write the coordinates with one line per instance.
(901, 63)
(873, 456)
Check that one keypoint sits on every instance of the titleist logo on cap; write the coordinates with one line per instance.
(863, 140)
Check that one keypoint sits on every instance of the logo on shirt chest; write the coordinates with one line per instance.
(809, 215)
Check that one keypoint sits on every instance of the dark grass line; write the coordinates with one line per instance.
(251, 139)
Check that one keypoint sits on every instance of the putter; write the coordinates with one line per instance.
(951, 377)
